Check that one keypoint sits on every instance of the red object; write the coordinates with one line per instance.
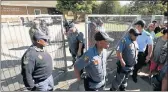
(155, 66)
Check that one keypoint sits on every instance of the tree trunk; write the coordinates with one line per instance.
(75, 16)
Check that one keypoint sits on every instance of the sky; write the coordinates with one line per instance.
(122, 2)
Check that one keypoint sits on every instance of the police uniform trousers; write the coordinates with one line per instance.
(120, 81)
(46, 85)
(140, 64)
(87, 80)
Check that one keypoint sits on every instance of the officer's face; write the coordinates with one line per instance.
(104, 44)
(42, 42)
(138, 27)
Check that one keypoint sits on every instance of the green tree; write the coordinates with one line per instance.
(75, 6)
(110, 7)
(147, 7)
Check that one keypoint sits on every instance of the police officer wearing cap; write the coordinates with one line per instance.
(143, 41)
(92, 29)
(36, 65)
(127, 53)
(44, 28)
(94, 62)
(75, 42)
(34, 28)
(100, 25)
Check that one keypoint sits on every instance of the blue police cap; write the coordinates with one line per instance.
(134, 32)
(103, 36)
(40, 35)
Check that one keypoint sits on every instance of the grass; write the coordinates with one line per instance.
(115, 27)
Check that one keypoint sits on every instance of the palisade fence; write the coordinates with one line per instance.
(15, 40)
(117, 26)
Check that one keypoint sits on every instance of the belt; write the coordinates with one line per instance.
(141, 52)
(40, 80)
(90, 80)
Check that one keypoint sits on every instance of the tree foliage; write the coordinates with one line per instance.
(147, 7)
(75, 5)
(109, 7)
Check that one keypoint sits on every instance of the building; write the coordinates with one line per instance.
(28, 7)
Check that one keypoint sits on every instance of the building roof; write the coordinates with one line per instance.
(30, 3)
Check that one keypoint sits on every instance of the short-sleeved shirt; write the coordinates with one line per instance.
(144, 40)
(74, 38)
(129, 50)
(158, 46)
(95, 66)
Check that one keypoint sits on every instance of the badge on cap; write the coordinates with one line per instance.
(96, 62)
(40, 57)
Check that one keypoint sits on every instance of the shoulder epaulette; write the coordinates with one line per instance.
(147, 33)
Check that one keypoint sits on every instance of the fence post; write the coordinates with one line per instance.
(64, 49)
(86, 32)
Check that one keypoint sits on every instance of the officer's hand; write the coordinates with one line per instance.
(122, 63)
(147, 59)
(79, 53)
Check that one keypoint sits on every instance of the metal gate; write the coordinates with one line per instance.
(117, 27)
(15, 40)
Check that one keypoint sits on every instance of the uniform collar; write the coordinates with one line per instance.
(38, 49)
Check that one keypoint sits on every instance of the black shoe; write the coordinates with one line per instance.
(122, 88)
(112, 89)
(134, 79)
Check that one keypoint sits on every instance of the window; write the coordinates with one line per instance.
(37, 11)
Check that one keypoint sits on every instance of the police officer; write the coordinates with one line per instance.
(36, 65)
(100, 25)
(44, 28)
(35, 27)
(94, 62)
(143, 41)
(75, 42)
(92, 29)
(127, 53)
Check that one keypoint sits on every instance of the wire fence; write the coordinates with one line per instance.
(15, 40)
(117, 26)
